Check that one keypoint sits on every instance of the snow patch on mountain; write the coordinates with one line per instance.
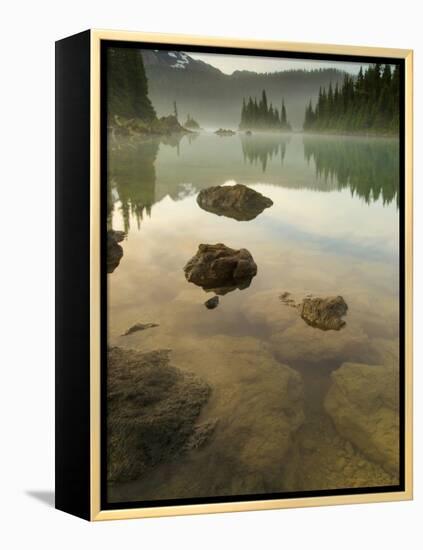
(181, 60)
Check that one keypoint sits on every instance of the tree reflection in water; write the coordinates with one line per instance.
(369, 167)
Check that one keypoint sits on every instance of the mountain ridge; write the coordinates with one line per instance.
(215, 98)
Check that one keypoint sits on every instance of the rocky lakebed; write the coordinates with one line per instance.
(310, 402)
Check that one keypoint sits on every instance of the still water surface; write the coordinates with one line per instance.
(332, 230)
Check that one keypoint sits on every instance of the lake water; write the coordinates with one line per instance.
(333, 229)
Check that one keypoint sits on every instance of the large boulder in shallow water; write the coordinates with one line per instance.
(363, 402)
(220, 268)
(324, 313)
(152, 411)
(233, 201)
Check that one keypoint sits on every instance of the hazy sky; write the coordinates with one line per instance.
(230, 63)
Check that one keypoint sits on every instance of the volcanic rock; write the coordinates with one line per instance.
(220, 268)
(233, 201)
(324, 313)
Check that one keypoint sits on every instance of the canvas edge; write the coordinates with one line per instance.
(95, 419)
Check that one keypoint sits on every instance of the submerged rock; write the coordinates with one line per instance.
(152, 411)
(220, 268)
(259, 403)
(324, 313)
(297, 342)
(201, 435)
(363, 402)
(287, 299)
(139, 326)
(212, 303)
(114, 250)
(233, 201)
(225, 132)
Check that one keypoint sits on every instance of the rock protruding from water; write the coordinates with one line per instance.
(363, 402)
(114, 250)
(221, 269)
(139, 326)
(225, 132)
(212, 303)
(324, 313)
(152, 412)
(233, 201)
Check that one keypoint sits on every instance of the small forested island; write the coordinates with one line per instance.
(260, 115)
(191, 123)
(368, 103)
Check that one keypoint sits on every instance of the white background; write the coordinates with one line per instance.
(29, 30)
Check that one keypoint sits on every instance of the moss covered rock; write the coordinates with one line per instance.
(152, 410)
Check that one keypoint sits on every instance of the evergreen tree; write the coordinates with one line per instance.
(243, 112)
(263, 105)
(370, 102)
(260, 115)
(127, 88)
(191, 123)
(284, 121)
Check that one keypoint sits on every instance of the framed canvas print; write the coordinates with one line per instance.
(233, 280)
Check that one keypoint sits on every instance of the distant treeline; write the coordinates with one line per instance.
(260, 115)
(367, 103)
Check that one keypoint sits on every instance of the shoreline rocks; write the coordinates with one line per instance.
(163, 126)
(220, 268)
(233, 201)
